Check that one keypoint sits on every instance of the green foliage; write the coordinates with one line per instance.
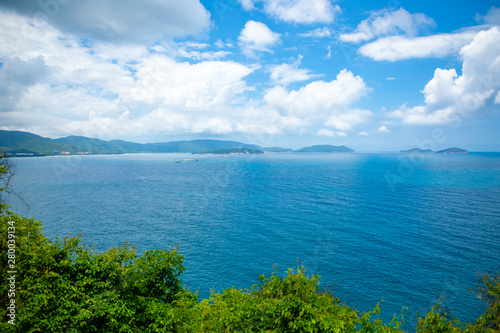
(438, 320)
(6, 174)
(289, 304)
(489, 292)
(67, 286)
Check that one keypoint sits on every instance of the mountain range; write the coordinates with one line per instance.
(25, 143)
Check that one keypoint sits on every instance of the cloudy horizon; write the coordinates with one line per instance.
(376, 76)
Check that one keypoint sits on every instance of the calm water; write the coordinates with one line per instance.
(374, 226)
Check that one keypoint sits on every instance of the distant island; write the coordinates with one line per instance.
(228, 151)
(325, 149)
(453, 150)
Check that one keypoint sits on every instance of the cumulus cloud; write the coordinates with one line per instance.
(285, 74)
(383, 129)
(324, 100)
(318, 97)
(257, 37)
(388, 22)
(449, 96)
(120, 21)
(163, 81)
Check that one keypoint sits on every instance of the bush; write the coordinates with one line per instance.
(66, 286)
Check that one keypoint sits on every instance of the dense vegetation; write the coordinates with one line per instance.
(66, 286)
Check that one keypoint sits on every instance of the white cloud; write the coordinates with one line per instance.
(327, 101)
(317, 33)
(162, 80)
(302, 11)
(247, 4)
(257, 37)
(383, 129)
(363, 133)
(285, 74)
(448, 96)
(491, 18)
(296, 11)
(120, 21)
(400, 47)
(54, 83)
(318, 97)
(326, 132)
(347, 120)
(388, 22)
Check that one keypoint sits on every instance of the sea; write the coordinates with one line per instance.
(399, 230)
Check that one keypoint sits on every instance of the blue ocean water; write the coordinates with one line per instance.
(403, 228)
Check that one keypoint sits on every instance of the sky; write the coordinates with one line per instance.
(371, 75)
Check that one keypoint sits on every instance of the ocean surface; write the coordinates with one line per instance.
(403, 228)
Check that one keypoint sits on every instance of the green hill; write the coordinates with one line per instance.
(20, 143)
(325, 149)
(28, 143)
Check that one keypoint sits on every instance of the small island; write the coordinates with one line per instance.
(325, 149)
(453, 150)
(230, 151)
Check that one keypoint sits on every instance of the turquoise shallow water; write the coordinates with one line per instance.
(404, 228)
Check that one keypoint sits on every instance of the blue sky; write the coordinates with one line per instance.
(372, 75)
